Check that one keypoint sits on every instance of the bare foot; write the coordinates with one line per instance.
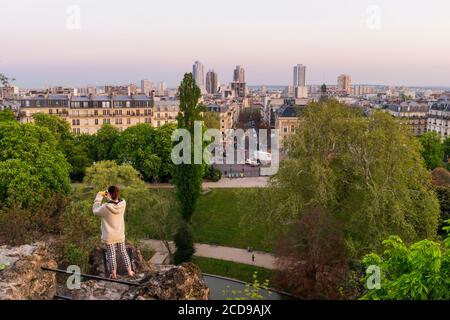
(113, 275)
(131, 273)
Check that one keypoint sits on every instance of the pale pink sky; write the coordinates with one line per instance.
(377, 42)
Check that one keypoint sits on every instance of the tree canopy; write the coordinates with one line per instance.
(433, 150)
(147, 149)
(420, 271)
(367, 171)
(32, 168)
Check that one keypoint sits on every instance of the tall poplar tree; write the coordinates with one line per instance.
(187, 177)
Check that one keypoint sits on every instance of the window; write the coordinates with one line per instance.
(96, 121)
(158, 124)
(95, 112)
(128, 104)
(158, 116)
(292, 128)
(50, 111)
(128, 121)
(285, 129)
(128, 112)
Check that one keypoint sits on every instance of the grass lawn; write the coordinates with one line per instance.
(232, 270)
(217, 220)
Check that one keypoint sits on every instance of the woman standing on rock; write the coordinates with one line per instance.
(113, 227)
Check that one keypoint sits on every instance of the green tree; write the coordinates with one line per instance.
(446, 146)
(32, 168)
(420, 271)
(433, 150)
(7, 115)
(104, 141)
(77, 154)
(367, 171)
(187, 177)
(103, 174)
(147, 149)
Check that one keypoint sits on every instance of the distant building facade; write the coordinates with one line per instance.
(411, 113)
(212, 82)
(439, 118)
(86, 114)
(344, 84)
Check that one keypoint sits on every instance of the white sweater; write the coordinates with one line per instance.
(113, 222)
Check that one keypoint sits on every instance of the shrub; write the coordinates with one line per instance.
(213, 174)
(420, 271)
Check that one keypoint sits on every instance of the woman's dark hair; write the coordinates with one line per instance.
(114, 192)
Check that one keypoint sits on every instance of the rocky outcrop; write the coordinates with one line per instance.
(21, 277)
(97, 262)
(184, 282)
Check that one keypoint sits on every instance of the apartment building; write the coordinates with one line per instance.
(228, 115)
(165, 112)
(439, 118)
(288, 121)
(411, 113)
(86, 114)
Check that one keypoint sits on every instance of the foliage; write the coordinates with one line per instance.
(7, 115)
(433, 150)
(103, 174)
(312, 258)
(31, 166)
(104, 141)
(441, 177)
(443, 194)
(77, 153)
(446, 147)
(185, 244)
(213, 174)
(187, 177)
(420, 271)
(23, 225)
(147, 149)
(252, 290)
(211, 120)
(366, 171)
(80, 229)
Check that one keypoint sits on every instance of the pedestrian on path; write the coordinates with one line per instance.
(253, 258)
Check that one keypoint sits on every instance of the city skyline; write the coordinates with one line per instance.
(376, 42)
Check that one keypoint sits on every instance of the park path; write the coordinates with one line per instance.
(262, 259)
(250, 182)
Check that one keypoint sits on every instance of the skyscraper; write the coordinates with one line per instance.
(299, 76)
(198, 73)
(344, 83)
(146, 86)
(239, 74)
(162, 88)
(211, 82)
